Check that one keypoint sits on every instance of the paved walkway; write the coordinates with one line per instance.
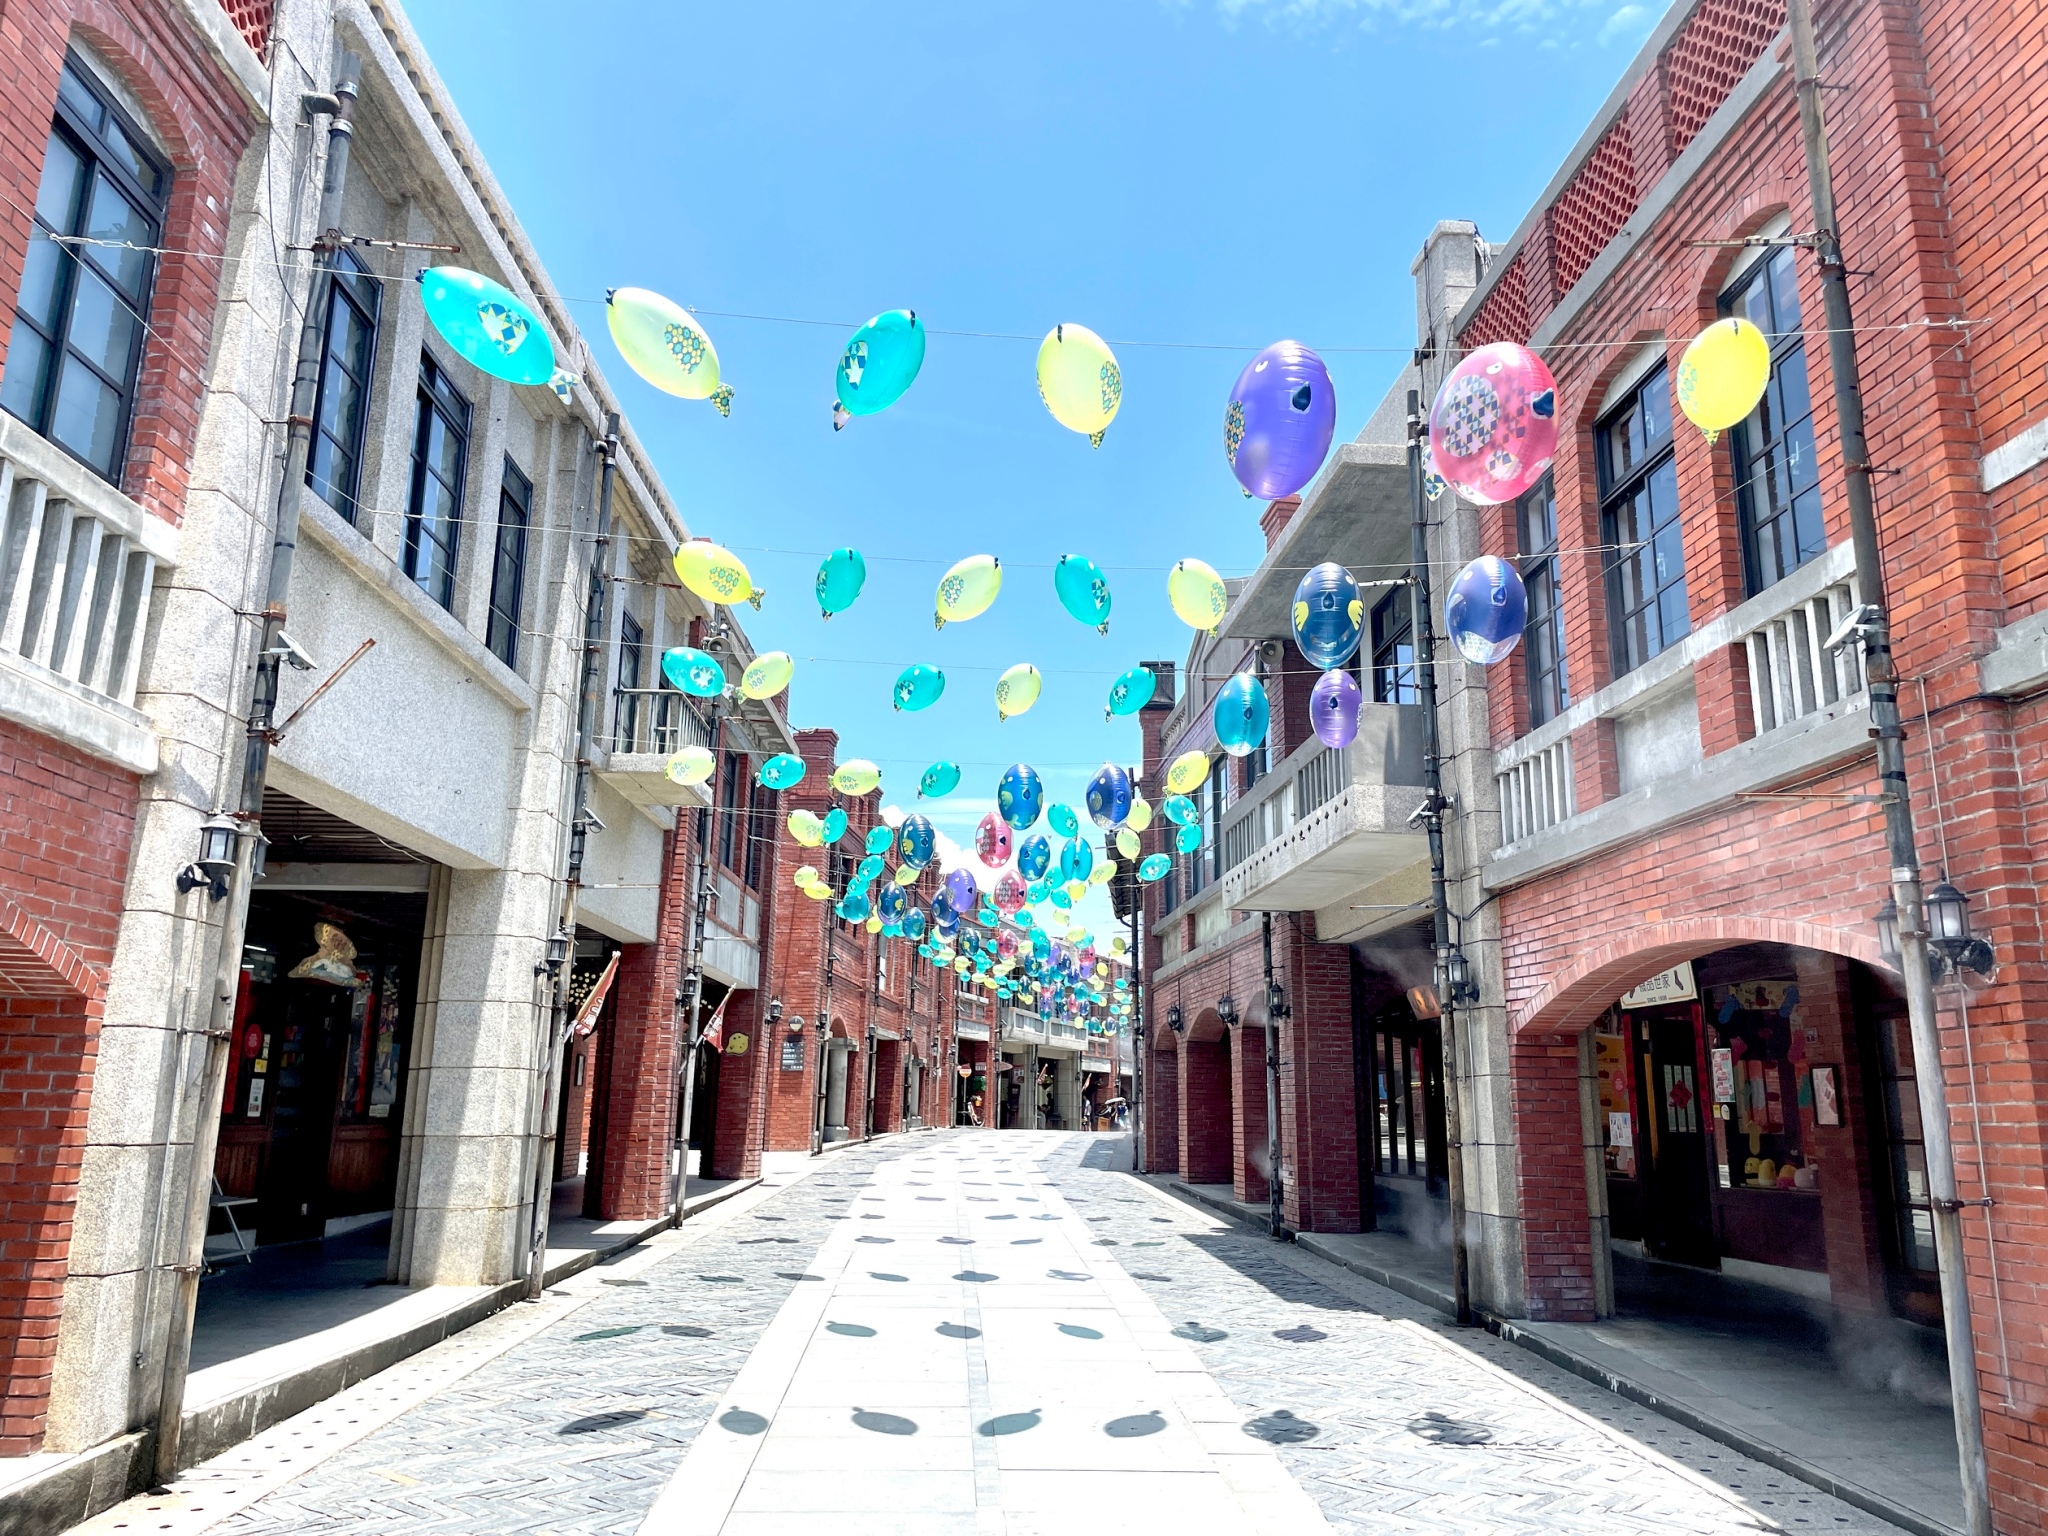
(986, 1332)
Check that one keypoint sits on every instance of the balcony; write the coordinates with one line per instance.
(732, 936)
(648, 727)
(78, 561)
(1328, 824)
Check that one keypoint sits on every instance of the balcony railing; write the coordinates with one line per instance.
(657, 720)
(77, 564)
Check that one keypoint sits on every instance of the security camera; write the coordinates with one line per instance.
(293, 653)
(1860, 619)
(591, 823)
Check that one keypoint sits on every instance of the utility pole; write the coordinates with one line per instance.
(339, 109)
(691, 996)
(557, 1033)
(1276, 1010)
(1137, 1029)
(1882, 678)
(824, 1032)
(1433, 808)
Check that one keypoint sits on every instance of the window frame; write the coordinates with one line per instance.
(99, 158)
(1548, 689)
(1621, 491)
(437, 400)
(730, 847)
(501, 619)
(1787, 346)
(1391, 680)
(356, 289)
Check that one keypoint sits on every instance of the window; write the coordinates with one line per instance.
(1777, 479)
(1639, 524)
(729, 830)
(508, 570)
(347, 350)
(440, 453)
(76, 347)
(760, 830)
(1213, 804)
(632, 657)
(1543, 636)
(1393, 649)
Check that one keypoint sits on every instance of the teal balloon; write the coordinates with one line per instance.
(1180, 810)
(894, 903)
(1241, 715)
(939, 780)
(854, 908)
(879, 838)
(871, 866)
(1083, 590)
(1131, 692)
(880, 362)
(488, 325)
(1076, 859)
(835, 824)
(1060, 898)
(1063, 820)
(839, 581)
(695, 672)
(782, 771)
(1188, 839)
(918, 687)
(1037, 891)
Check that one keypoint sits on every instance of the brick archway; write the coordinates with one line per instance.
(1205, 1105)
(35, 963)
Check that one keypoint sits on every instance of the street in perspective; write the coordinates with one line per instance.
(1241, 766)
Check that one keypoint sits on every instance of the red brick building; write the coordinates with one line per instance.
(119, 122)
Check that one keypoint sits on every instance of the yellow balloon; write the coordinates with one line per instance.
(874, 925)
(819, 892)
(1723, 374)
(1197, 594)
(1127, 842)
(960, 962)
(716, 574)
(1103, 872)
(806, 874)
(1119, 945)
(663, 343)
(1079, 381)
(1017, 689)
(1140, 815)
(856, 776)
(1188, 772)
(805, 827)
(905, 875)
(692, 765)
(966, 590)
(766, 675)
(1076, 889)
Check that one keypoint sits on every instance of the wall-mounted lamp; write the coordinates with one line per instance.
(216, 861)
(1173, 1017)
(1276, 1001)
(1226, 1010)
(1454, 979)
(557, 954)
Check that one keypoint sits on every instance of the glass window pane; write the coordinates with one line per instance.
(42, 281)
(27, 377)
(63, 176)
(113, 217)
(125, 152)
(1784, 287)
(87, 416)
(103, 329)
(80, 98)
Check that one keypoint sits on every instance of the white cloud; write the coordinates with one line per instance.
(1483, 20)
(1626, 22)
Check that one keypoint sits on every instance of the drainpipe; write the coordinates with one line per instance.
(579, 830)
(1890, 734)
(691, 996)
(1276, 1010)
(824, 1033)
(1137, 1036)
(1433, 808)
(212, 1079)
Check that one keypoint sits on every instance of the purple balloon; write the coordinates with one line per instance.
(1333, 707)
(1281, 418)
(962, 891)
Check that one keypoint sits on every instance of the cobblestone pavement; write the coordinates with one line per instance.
(574, 1417)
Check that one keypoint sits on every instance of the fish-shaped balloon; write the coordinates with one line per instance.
(805, 827)
(1083, 590)
(663, 343)
(695, 672)
(834, 824)
(880, 362)
(692, 765)
(1329, 616)
(856, 776)
(1079, 381)
(782, 771)
(1131, 692)
(767, 675)
(1109, 796)
(716, 574)
(1188, 772)
(918, 687)
(1017, 690)
(1019, 796)
(1197, 594)
(939, 780)
(839, 581)
(966, 590)
(488, 325)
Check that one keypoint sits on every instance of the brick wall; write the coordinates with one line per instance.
(1248, 1159)
(1206, 1142)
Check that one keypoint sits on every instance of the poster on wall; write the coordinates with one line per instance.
(1672, 986)
(1827, 1102)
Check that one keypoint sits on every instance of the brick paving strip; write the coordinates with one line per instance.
(574, 1415)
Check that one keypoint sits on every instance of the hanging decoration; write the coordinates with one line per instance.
(1281, 417)
(1131, 692)
(1188, 772)
(840, 579)
(1240, 715)
(663, 343)
(1034, 857)
(1493, 426)
(938, 781)
(488, 325)
(1079, 381)
(916, 842)
(966, 590)
(1127, 842)
(834, 824)
(1083, 591)
(880, 362)
(1329, 616)
(960, 892)
(918, 687)
(716, 574)
(767, 675)
(1062, 820)
(695, 672)
(1487, 610)
(692, 765)
(1009, 898)
(1109, 796)
(1017, 690)
(1188, 838)
(856, 776)
(878, 841)
(1723, 375)
(805, 827)
(1019, 796)
(782, 771)
(1333, 706)
(992, 841)
(1077, 857)
(1197, 594)
(1140, 816)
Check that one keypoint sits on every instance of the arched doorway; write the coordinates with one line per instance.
(1160, 1111)
(1205, 1102)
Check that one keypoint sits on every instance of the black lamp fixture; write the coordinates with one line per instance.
(557, 954)
(775, 1013)
(216, 861)
(1887, 919)
(1454, 979)
(1276, 1001)
(1951, 947)
(1226, 1010)
(1173, 1017)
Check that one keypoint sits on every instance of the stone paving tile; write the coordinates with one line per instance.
(1397, 1423)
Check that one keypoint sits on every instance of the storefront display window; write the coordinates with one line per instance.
(1617, 1102)
(1762, 1085)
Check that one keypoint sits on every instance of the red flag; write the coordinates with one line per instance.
(714, 1032)
(586, 1016)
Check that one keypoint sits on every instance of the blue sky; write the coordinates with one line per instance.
(1223, 173)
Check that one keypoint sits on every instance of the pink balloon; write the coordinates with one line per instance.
(992, 841)
(1493, 427)
(1333, 708)
(1009, 899)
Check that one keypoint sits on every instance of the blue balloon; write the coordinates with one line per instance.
(1487, 610)
(918, 687)
(1180, 810)
(695, 672)
(1131, 692)
(1076, 859)
(1019, 796)
(913, 925)
(878, 839)
(1034, 856)
(1329, 616)
(939, 780)
(1109, 796)
(1188, 839)
(782, 771)
(879, 364)
(1063, 820)
(1240, 715)
(1037, 891)
(870, 867)
(839, 581)
(895, 901)
(1083, 590)
(916, 842)
(835, 825)
(854, 908)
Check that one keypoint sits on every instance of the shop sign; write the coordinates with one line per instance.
(1672, 986)
(792, 1053)
(1096, 1064)
(1723, 1061)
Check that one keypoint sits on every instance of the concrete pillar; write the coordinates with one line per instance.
(1248, 1153)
